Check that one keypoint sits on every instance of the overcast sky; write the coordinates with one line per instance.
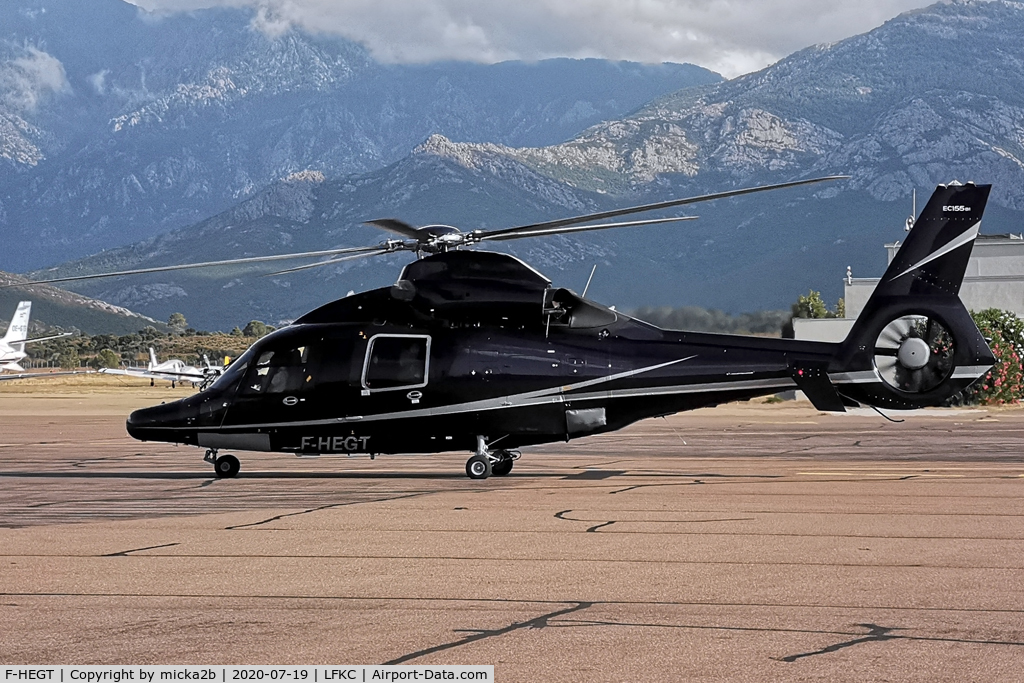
(731, 37)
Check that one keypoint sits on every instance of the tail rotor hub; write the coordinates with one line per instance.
(914, 354)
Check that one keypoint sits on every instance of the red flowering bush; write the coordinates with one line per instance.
(1004, 383)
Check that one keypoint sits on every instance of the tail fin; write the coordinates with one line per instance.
(17, 333)
(915, 344)
(152, 358)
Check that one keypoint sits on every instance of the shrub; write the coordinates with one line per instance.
(69, 359)
(1004, 383)
(105, 359)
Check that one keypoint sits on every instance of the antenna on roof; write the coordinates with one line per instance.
(913, 211)
(588, 281)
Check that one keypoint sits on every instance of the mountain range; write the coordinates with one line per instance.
(928, 97)
(117, 124)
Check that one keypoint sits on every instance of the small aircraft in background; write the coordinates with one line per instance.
(12, 345)
(173, 370)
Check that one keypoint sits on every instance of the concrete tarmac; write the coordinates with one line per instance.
(750, 542)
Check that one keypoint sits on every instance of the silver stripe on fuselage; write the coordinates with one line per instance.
(530, 398)
(769, 383)
(862, 377)
(970, 371)
(536, 398)
(870, 376)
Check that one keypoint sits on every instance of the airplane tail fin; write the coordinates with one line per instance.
(17, 332)
(152, 358)
(915, 344)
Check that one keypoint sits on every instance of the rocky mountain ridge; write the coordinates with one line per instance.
(887, 107)
(117, 124)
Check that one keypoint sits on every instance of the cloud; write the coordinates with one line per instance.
(26, 80)
(728, 36)
(98, 81)
(270, 22)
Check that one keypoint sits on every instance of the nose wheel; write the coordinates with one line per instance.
(225, 466)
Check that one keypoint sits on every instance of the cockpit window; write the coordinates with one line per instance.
(280, 371)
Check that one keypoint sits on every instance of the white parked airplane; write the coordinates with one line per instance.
(12, 345)
(172, 370)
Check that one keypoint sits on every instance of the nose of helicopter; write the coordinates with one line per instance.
(161, 423)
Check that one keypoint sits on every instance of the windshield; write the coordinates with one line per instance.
(234, 371)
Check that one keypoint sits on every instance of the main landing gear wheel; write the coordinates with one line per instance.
(500, 469)
(479, 467)
(226, 466)
(503, 466)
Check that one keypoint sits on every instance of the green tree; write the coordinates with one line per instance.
(177, 322)
(255, 328)
(813, 306)
(106, 358)
(68, 359)
(810, 306)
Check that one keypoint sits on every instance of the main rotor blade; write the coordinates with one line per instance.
(581, 228)
(205, 264)
(380, 252)
(531, 229)
(394, 225)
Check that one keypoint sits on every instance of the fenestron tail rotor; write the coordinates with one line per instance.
(432, 239)
(914, 353)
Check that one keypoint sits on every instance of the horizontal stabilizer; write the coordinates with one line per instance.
(812, 379)
(52, 336)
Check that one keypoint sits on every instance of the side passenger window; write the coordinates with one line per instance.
(396, 362)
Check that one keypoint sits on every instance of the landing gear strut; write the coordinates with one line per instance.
(484, 462)
(225, 466)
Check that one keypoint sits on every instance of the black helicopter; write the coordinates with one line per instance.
(474, 350)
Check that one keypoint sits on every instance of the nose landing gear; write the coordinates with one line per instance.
(225, 466)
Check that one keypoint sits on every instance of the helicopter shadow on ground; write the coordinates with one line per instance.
(382, 474)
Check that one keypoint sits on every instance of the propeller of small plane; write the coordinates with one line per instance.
(433, 239)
